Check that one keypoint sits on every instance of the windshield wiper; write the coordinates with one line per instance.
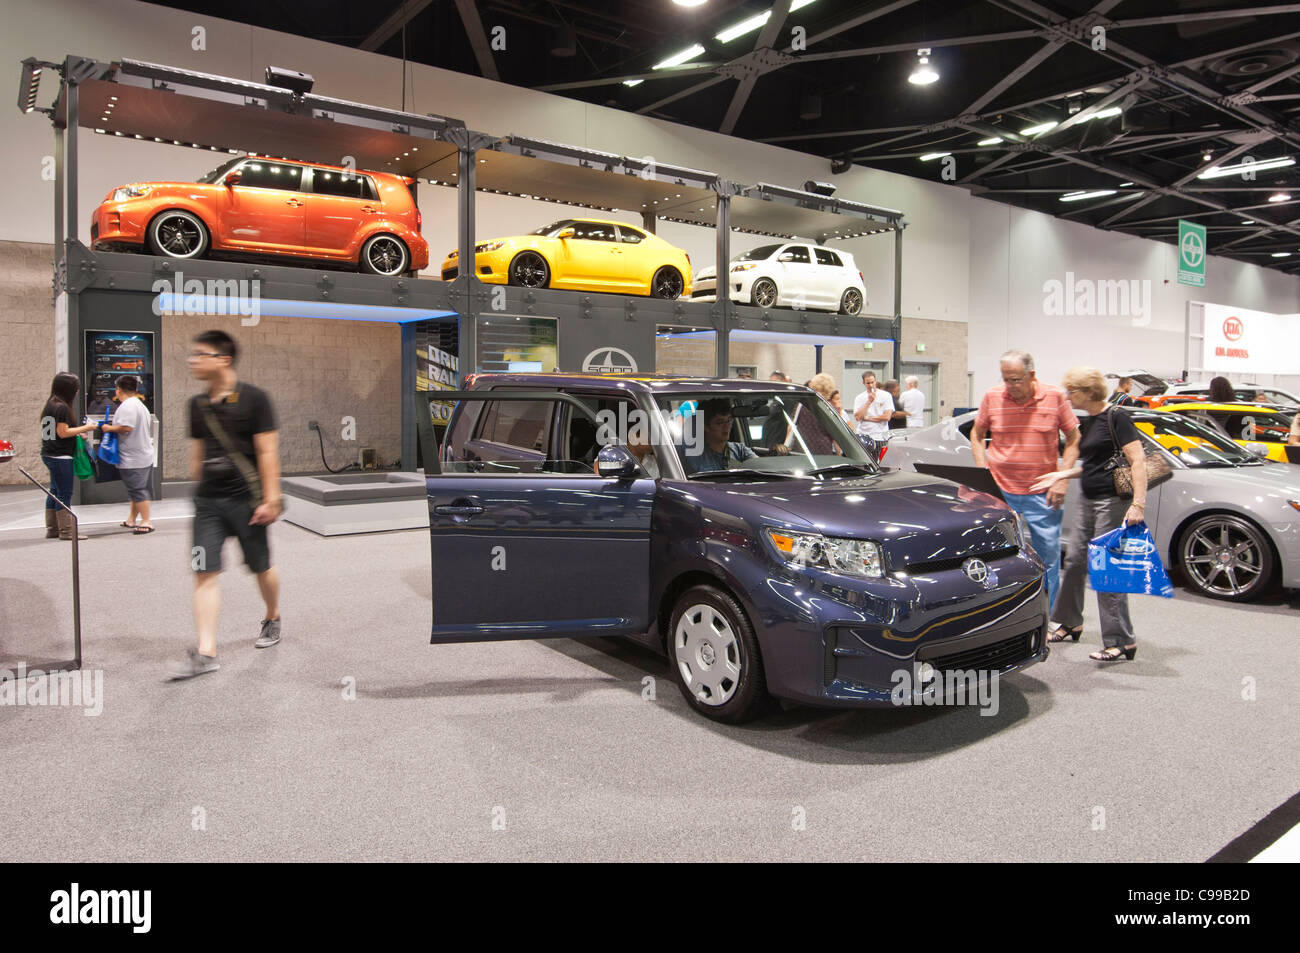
(861, 467)
(748, 472)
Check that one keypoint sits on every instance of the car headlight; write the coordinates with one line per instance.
(453, 254)
(853, 557)
(743, 266)
(130, 192)
(489, 246)
(1016, 530)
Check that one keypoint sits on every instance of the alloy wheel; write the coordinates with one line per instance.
(1226, 557)
(764, 293)
(667, 283)
(851, 303)
(385, 255)
(529, 270)
(178, 235)
(707, 653)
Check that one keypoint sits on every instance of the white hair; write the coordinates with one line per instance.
(1023, 358)
(911, 380)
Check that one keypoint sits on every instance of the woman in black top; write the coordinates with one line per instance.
(1097, 510)
(58, 444)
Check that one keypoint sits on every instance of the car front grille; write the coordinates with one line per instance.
(449, 274)
(941, 565)
(701, 292)
(989, 658)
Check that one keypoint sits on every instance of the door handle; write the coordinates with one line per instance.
(458, 508)
(369, 208)
(294, 202)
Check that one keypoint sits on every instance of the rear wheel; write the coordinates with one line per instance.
(714, 656)
(851, 302)
(529, 270)
(667, 283)
(1226, 557)
(385, 255)
(763, 294)
(178, 234)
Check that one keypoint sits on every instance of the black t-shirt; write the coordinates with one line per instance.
(1096, 450)
(58, 447)
(240, 414)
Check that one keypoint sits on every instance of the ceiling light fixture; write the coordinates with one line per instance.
(677, 59)
(934, 155)
(1218, 172)
(1249, 221)
(1080, 196)
(924, 74)
(754, 23)
(633, 82)
(1040, 128)
(690, 3)
(1281, 254)
(1280, 197)
(989, 142)
(1123, 184)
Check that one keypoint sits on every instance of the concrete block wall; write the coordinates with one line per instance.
(27, 337)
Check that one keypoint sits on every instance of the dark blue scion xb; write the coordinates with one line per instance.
(737, 527)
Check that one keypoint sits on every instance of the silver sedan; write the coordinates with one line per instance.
(1229, 520)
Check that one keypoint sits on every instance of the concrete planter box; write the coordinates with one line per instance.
(340, 504)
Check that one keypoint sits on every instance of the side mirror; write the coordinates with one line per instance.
(565, 233)
(1258, 450)
(788, 256)
(233, 177)
(616, 463)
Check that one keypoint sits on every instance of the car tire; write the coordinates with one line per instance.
(1226, 557)
(529, 269)
(667, 283)
(851, 301)
(385, 255)
(763, 293)
(177, 233)
(714, 656)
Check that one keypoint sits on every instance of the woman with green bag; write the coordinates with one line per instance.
(58, 448)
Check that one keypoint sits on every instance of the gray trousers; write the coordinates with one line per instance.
(1087, 519)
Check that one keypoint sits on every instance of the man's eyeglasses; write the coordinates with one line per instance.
(1013, 380)
(206, 354)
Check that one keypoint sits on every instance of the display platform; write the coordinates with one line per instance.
(341, 504)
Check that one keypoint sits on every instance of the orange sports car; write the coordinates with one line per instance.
(259, 206)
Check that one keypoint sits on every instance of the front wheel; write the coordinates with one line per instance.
(385, 255)
(851, 302)
(178, 234)
(763, 294)
(714, 656)
(667, 283)
(1226, 557)
(528, 269)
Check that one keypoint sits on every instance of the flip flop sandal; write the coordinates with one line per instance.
(128, 525)
(143, 530)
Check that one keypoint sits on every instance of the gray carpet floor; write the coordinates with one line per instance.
(550, 751)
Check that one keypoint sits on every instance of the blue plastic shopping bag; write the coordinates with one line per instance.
(1126, 560)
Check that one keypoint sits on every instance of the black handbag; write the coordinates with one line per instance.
(105, 472)
(1158, 468)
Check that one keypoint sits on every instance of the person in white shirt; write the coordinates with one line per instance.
(872, 410)
(131, 423)
(913, 401)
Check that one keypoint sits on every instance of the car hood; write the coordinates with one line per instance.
(1282, 479)
(916, 518)
(706, 272)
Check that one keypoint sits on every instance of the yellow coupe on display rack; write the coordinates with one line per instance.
(582, 254)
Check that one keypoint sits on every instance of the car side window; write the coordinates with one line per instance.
(349, 185)
(261, 174)
(594, 231)
(795, 254)
(629, 236)
(825, 257)
(521, 424)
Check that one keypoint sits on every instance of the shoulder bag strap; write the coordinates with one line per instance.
(242, 463)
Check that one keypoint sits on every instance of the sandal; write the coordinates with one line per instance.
(128, 525)
(142, 530)
(1114, 654)
(1063, 633)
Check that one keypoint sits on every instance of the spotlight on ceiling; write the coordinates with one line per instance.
(819, 188)
(690, 3)
(291, 79)
(924, 74)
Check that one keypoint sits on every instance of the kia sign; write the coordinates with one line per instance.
(1241, 344)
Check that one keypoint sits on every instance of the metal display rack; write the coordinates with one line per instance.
(227, 116)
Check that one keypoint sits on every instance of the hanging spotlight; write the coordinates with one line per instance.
(924, 74)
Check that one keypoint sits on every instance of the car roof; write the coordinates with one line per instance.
(1209, 405)
(644, 383)
(322, 165)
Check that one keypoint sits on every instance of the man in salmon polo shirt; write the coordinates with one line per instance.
(1025, 418)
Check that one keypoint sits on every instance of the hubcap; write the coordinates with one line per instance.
(766, 294)
(707, 654)
(530, 271)
(178, 236)
(667, 284)
(386, 256)
(1223, 558)
(852, 302)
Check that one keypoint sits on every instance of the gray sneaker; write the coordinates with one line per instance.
(270, 634)
(194, 664)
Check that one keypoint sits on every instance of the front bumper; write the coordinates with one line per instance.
(849, 647)
(491, 267)
(117, 223)
(740, 284)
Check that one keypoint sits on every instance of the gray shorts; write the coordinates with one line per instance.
(138, 482)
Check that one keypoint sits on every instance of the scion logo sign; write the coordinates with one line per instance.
(978, 571)
(1232, 328)
(94, 907)
(609, 360)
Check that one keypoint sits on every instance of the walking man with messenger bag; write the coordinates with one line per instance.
(235, 457)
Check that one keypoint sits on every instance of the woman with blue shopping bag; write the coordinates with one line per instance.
(1113, 476)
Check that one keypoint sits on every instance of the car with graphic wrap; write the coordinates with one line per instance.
(739, 528)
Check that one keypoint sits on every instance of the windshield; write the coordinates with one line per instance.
(217, 174)
(1195, 445)
(758, 254)
(781, 433)
(554, 226)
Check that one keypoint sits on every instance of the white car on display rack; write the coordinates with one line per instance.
(789, 275)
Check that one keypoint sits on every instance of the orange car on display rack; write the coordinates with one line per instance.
(271, 207)
(582, 254)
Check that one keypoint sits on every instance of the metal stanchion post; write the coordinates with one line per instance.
(76, 570)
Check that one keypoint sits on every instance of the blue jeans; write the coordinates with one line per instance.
(60, 481)
(1044, 533)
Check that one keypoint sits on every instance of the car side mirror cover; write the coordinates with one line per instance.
(788, 256)
(1257, 449)
(233, 177)
(616, 463)
(565, 233)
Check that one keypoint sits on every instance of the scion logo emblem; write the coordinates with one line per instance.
(609, 360)
(978, 571)
(1193, 249)
(1233, 329)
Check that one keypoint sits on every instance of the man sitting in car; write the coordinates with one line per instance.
(718, 453)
